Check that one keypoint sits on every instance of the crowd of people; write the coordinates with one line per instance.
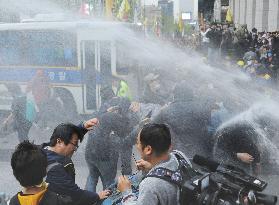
(154, 125)
(257, 53)
(157, 124)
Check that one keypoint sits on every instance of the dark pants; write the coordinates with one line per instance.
(44, 115)
(23, 130)
(213, 55)
(106, 170)
(125, 157)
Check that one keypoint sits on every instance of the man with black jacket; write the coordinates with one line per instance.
(215, 37)
(103, 148)
(61, 170)
(188, 121)
(121, 105)
(237, 145)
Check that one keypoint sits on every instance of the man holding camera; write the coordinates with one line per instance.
(154, 145)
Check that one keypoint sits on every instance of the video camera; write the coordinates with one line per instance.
(223, 185)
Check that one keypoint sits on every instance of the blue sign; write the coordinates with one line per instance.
(55, 75)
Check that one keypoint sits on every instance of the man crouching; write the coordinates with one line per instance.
(154, 145)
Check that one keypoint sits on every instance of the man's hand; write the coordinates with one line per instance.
(135, 106)
(90, 124)
(113, 109)
(143, 165)
(245, 157)
(123, 184)
(145, 121)
(104, 194)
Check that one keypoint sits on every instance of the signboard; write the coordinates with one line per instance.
(186, 16)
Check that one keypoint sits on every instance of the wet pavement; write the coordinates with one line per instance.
(9, 185)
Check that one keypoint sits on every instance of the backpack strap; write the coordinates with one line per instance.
(50, 166)
(52, 198)
(68, 167)
(178, 176)
(167, 175)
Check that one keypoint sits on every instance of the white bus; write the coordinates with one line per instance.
(78, 57)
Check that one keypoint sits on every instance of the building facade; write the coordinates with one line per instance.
(261, 14)
(179, 7)
(185, 6)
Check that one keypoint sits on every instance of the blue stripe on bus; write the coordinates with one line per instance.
(58, 75)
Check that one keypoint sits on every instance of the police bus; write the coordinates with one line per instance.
(77, 57)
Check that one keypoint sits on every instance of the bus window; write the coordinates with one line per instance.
(10, 49)
(90, 74)
(122, 62)
(52, 48)
(38, 48)
(105, 62)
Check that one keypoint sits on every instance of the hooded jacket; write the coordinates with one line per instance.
(187, 120)
(32, 199)
(101, 145)
(237, 138)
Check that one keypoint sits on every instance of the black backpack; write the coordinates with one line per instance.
(180, 177)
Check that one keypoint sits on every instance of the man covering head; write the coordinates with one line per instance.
(103, 147)
(187, 117)
(67, 136)
(61, 170)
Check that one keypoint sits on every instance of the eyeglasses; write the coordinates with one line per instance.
(75, 145)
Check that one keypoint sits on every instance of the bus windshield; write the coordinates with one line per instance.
(38, 48)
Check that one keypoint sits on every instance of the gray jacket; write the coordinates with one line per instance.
(155, 191)
(188, 120)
